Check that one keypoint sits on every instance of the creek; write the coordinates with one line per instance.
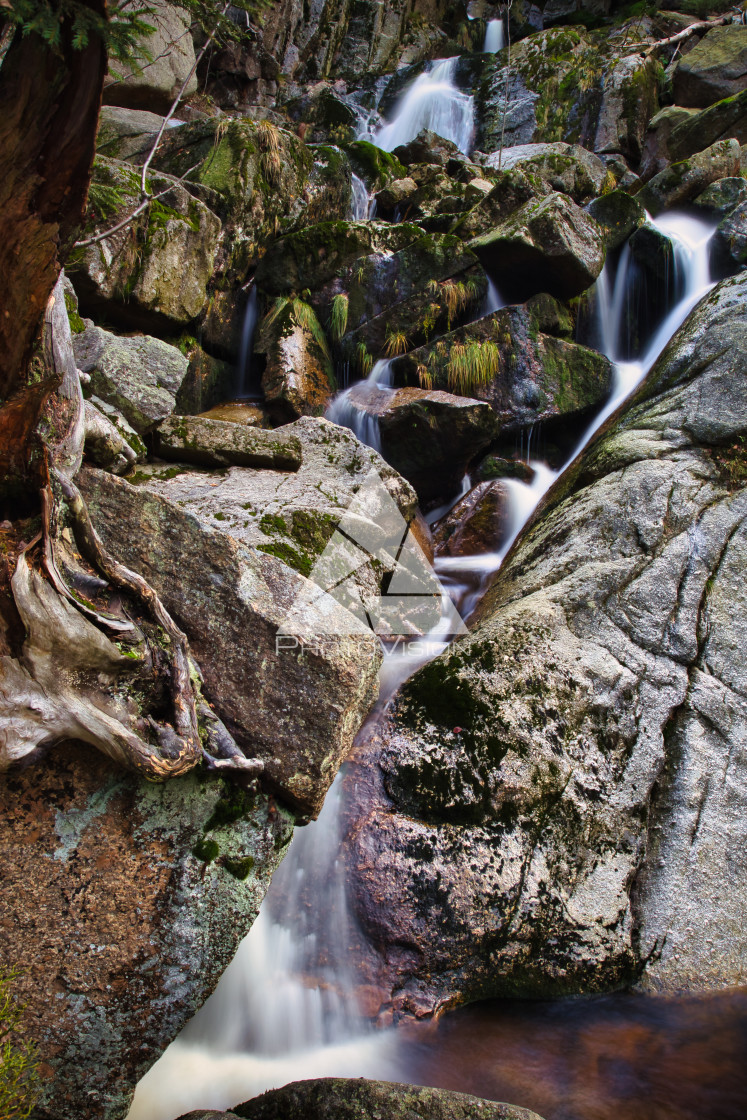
(287, 1008)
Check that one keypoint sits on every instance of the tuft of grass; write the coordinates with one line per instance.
(270, 158)
(338, 323)
(304, 316)
(363, 360)
(425, 377)
(396, 344)
(471, 366)
(20, 1084)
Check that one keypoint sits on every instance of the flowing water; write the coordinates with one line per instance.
(362, 206)
(495, 37)
(244, 387)
(434, 102)
(286, 1009)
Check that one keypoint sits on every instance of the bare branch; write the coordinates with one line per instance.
(672, 40)
(137, 211)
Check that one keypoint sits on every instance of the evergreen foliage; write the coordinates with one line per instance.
(19, 1075)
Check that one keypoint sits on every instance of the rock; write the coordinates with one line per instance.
(618, 214)
(429, 437)
(297, 378)
(171, 57)
(599, 694)
(126, 134)
(104, 446)
(493, 466)
(239, 412)
(393, 195)
(375, 166)
(477, 524)
(565, 167)
(329, 117)
(714, 69)
(548, 245)
(427, 147)
(313, 256)
(121, 927)
(729, 244)
(298, 708)
(153, 273)
(124, 429)
(629, 100)
(511, 190)
(723, 121)
(685, 180)
(723, 196)
(655, 156)
(262, 180)
(528, 376)
(220, 443)
(140, 376)
(330, 1098)
(208, 380)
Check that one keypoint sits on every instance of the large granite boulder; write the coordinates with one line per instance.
(655, 156)
(140, 376)
(168, 57)
(549, 245)
(568, 168)
(212, 442)
(127, 134)
(715, 68)
(683, 181)
(725, 120)
(128, 901)
(557, 804)
(729, 245)
(152, 274)
(629, 100)
(331, 1098)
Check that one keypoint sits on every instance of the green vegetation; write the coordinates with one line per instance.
(471, 366)
(396, 343)
(339, 317)
(363, 360)
(19, 1064)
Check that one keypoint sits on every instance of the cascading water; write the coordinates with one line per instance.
(361, 204)
(345, 412)
(433, 102)
(243, 370)
(286, 1007)
(495, 37)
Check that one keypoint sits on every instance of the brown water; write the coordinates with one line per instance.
(620, 1057)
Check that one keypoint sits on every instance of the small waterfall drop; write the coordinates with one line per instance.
(345, 412)
(243, 369)
(433, 102)
(286, 1008)
(361, 201)
(495, 37)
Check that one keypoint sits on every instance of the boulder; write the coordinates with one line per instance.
(725, 120)
(239, 412)
(557, 803)
(153, 273)
(375, 166)
(169, 58)
(685, 180)
(723, 196)
(715, 68)
(297, 376)
(104, 445)
(568, 168)
(207, 381)
(548, 245)
(330, 1098)
(477, 524)
(209, 442)
(395, 194)
(427, 435)
(618, 214)
(128, 901)
(297, 706)
(526, 375)
(126, 134)
(655, 156)
(326, 115)
(729, 244)
(629, 100)
(140, 376)
(427, 147)
(511, 190)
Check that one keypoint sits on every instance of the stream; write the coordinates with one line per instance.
(286, 1007)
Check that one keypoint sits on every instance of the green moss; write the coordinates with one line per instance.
(239, 868)
(283, 551)
(374, 165)
(77, 326)
(235, 805)
(206, 850)
(272, 523)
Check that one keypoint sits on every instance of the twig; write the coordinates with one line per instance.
(662, 44)
(138, 210)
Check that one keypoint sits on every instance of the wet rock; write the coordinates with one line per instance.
(565, 167)
(121, 926)
(140, 376)
(220, 443)
(393, 195)
(511, 190)
(548, 245)
(494, 466)
(618, 214)
(725, 120)
(153, 273)
(599, 693)
(527, 376)
(714, 69)
(297, 708)
(104, 445)
(239, 412)
(342, 1099)
(629, 100)
(685, 180)
(329, 117)
(207, 381)
(297, 377)
(729, 245)
(171, 57)
(427, 147)
(723, 196)
(126, 134)
(476, 524)
(374, 166)
(655, 156)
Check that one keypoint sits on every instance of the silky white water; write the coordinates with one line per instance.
(248, 328)
(285, 1009)
(361, 204)
(433, 102)
(495, 37)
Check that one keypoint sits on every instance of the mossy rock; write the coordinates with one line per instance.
(375, 166)
(619, 214)
(714, 69)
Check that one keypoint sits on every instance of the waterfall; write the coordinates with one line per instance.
(243, 370)
(361, 201)
(286, 1008)
(495, 37)
(345, 412)
(433, 102)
